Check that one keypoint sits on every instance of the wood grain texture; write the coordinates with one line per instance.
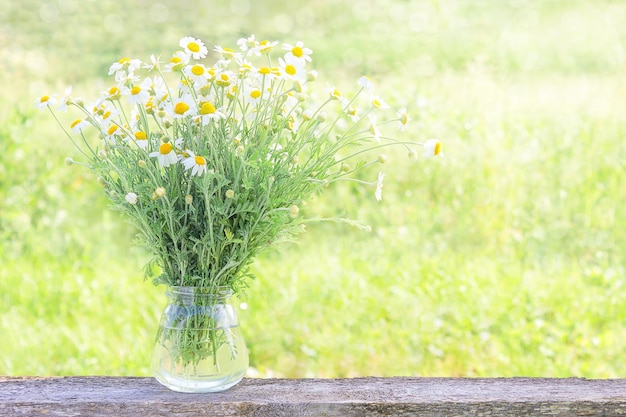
(362, 397)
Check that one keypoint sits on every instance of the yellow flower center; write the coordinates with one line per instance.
(193, 47)
(113, 91)
(290, 69)
(255, 94)
(135, 90)
(224, 80)
(297, 51)
(112, 130)
(44, 99)
(106, 115)
(197, 70)
(207, 108)
(124, 61)
(141, 135)
(437, 148)
(165, 148)
(376, 103)
(264, 70)
(181, 108)
(75, 122)
(200, 160)
(175, 60)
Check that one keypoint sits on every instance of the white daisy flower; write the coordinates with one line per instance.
(67, 100)
(336, 94)
(209, 112)
(195, 163)
(246, 44)
(366, 83)
(353, 112)
(258, 74)
(379, 103)
(373, 127)
(298, 52)
(197, 73)
(404, 119)
(114, 130)
(177, 62)
(126, 78)
(378, 193)
(125, 64)
(78, 125)
(432, 148)
(138, 93)
(194, 47)
(227, 53)
(45, 101)
(254, 96)
(265, 46)
(141, 139)
(292, 68)
(155, 63)
(166, 155)
(181, 107)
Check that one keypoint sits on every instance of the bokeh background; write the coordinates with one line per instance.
(505, 258)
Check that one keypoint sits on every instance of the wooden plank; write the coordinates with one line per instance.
(362, 397)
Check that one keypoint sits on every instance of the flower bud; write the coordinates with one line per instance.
(69, 161)
(160, 192)
(321, 116)
(141, 163)
(131, 198)
(188, 199)
(230, 194)
(412, 154)
(382, 158)
(293, 211)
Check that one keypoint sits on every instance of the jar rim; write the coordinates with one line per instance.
(220, 291)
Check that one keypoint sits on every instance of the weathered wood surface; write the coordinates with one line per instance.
(362, 397)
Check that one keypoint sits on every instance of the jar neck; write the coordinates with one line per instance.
(199, 295)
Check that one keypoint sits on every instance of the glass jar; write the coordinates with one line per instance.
(199, 346)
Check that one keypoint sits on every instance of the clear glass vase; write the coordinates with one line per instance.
(199, 346)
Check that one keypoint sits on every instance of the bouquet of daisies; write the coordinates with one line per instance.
(214, 161)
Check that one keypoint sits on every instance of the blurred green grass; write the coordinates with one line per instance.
(505, 258)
